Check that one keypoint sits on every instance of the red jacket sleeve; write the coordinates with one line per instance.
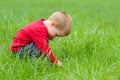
(39, 37)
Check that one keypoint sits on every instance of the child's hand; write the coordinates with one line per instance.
(59, 63)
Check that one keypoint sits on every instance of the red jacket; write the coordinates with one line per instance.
(34, 32)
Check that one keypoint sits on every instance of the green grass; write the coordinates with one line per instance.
(90, 52)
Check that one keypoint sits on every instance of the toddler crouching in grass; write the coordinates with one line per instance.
(32, 40)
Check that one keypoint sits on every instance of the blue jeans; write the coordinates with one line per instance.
(29, 50)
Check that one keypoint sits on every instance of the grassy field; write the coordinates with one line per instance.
(90, 52)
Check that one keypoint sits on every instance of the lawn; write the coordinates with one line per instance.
(90, 52)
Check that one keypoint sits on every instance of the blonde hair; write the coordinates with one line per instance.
(63, 21)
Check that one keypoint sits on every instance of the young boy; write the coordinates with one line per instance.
(32, 40)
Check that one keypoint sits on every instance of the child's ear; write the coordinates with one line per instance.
(54, 23)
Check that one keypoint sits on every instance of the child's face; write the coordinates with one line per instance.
(54, 32)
